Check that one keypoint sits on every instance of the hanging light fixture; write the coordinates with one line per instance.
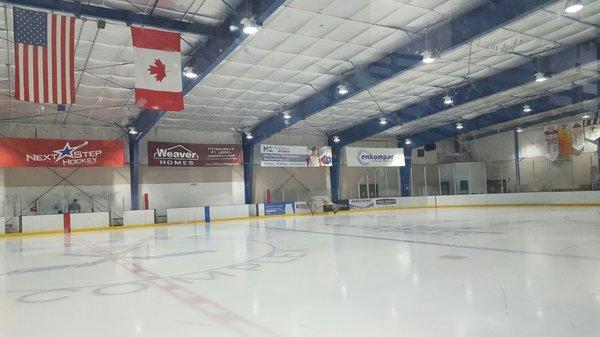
(459, 126)
(342, 89)
(132, 130)
(526, 108)
(428, 57)
(286, 115)
(382, 121)
(189, 72)
(448, 100)
(540, 77)
(249, 135)
(519, 129)
(407, 141)
(336, 139)
(250, 26)
(574, 7)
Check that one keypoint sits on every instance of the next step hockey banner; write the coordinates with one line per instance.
(26, 152)
(201, 155)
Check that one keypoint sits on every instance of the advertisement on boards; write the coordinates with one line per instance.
(276, 208)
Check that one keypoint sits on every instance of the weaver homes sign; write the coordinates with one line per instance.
(201, 155)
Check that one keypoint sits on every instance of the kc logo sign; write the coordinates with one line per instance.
(22, 152)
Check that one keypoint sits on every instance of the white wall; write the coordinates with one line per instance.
(386, 178)
(497, 152)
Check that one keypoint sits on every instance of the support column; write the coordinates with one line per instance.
(517, 163)
(134, 172)
(598, 153)
(405, 171)
(248, 154)
(334, 171)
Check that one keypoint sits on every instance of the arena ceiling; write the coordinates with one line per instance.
(302, 48)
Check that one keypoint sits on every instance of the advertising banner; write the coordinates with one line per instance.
(199, 155)
(592, 128)
(301, 207)
(283, 156)
(551, 140)
(295, 156)
(361, 203)
(374, 157)
(372, 203)
(26, 152)
(344, 204)
(386, 203)
(565, 142)
(578, 140)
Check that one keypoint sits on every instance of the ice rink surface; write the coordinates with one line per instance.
(531, 272)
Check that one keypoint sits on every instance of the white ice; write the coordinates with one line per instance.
(531, 272)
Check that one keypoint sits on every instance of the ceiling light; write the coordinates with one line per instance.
(428, 57)
(336, 139)
(189, 72)
(540, 77)
(407, 141)
(519, 129)
(233, 28)
(382, 121)
(448, 100)
(585, 116)
(250, 26)
(286, 115)
(459, 126)
(342, 89)
(574, 7)
(249, 135)
(526, 108)
(132, 130)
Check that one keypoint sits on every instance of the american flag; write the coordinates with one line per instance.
(44, 57)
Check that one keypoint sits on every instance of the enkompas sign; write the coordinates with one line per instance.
(374, 157)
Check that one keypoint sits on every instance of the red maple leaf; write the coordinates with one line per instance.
(158, 69)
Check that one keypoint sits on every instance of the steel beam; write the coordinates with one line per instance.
(507, 114)
(483, 19)
(79, 9)
(567, 59)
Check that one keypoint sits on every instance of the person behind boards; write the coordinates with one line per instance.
(74, 207)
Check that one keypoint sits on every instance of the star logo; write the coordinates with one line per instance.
(67, 151)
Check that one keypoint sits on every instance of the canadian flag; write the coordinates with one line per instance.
(158, 83)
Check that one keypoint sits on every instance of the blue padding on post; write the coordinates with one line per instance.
(206, 214)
